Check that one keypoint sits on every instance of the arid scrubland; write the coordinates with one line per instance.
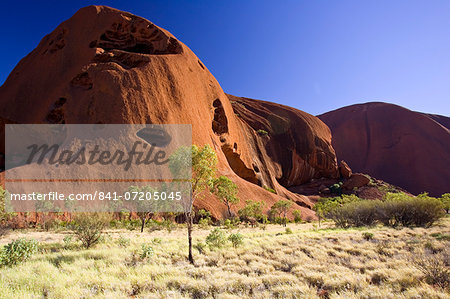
(374, 262)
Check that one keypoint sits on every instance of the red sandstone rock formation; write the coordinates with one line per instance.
(344, 170)
(111, 67)
(405, 148)
(356, 180)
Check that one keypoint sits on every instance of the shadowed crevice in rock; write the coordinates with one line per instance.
(238, 165)
(56, 114)
(220, 122)
(155, 135)
(57, 43)
(83, 81)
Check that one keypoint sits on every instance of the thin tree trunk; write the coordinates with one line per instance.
(142, 225)
(229, 209)
(189, 227)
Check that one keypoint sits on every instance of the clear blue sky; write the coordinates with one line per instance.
(315, 55)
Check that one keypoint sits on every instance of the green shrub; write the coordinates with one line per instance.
(216, 238)
(263, 219)
(262, 132)
(154, 225)
(297, 216)
(69, 243)
(445, 199)
(355, 213)
(367, 236)
(364, 212)
(204, 223)
(68, 239)
(280, 210)
(269, 189)
(441, 236)
(17, 252)
(204, 214)
(123, 242)
(397, 209)
(274, 219)
(48, 222)
(133, 224)
(325, 205)
(252, 211)
(288, 231)
(401, 209)
(336, 188)
(228, 224)
(146, 251)
(88, 228)
(236, 239)
(168, 225)
(139, 256)
(156, 241)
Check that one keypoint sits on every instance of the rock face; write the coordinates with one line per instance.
(296, 143)
(402, 147)
(344, 170)
(356, 180)
(443, 120)
(111, 67)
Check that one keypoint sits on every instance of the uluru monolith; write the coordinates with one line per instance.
(105, 66)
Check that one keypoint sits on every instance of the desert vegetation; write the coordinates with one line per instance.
(305, 262)
(395, 209)
(397, 246)
(357, 252)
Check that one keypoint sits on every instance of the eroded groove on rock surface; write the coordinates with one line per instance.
(137, 36)
(82, 81)
(124, 59)
(56, 43)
